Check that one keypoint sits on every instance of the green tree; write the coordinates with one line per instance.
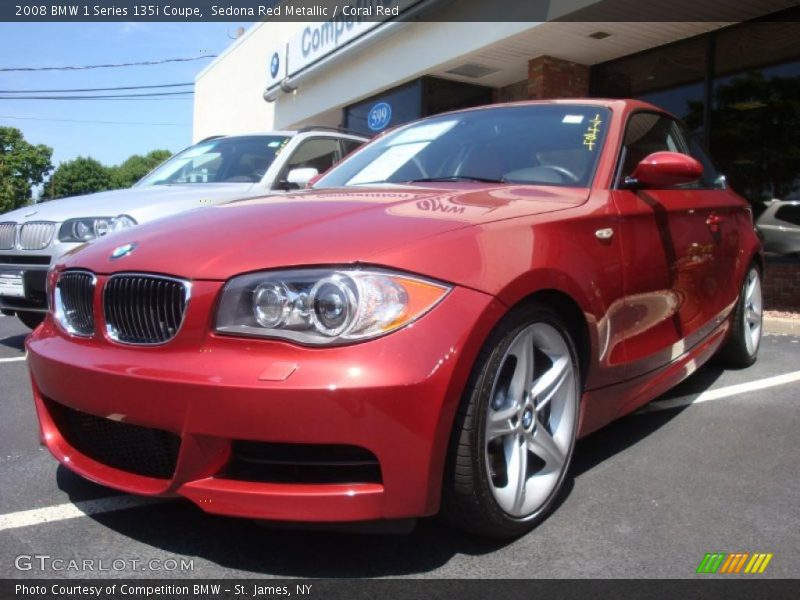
(82, 175)
(22, 165)
(136, 167)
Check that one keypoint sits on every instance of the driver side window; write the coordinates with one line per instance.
(315, 153)
(647, 133)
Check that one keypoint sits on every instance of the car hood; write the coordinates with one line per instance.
(142, 203)
(338, 226)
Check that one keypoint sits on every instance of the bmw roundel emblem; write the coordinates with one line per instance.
(274, 65)
(379, 116)
(121, 251)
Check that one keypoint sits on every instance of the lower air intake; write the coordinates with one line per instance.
(131, 448)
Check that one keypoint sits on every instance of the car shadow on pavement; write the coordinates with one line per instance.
(180, 528)
(623, 435)
(17, 342)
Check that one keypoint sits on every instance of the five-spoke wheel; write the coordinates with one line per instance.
(753, 310)
(530, 419)
(516, 430)
(741, 349)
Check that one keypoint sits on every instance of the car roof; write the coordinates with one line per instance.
(291, 133)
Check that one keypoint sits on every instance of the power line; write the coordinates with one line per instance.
(108, 66)
(94, 122)
(120, 99)
(109, 97)
(108, 89)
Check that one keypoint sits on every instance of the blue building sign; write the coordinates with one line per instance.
(379, 116)
(274, 65)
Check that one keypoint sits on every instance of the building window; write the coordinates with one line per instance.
(404, 104)
(420, 98)
(755, 116)
(671, 77)
(737, 89)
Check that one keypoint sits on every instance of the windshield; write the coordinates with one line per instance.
(223, 160)
(534, 144)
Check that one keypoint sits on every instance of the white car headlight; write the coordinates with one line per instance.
(324, 306)
(89, 228)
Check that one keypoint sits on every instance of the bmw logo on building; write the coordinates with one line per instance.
(274, 65)
(379, 116)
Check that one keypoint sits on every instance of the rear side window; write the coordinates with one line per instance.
(711, 177)
(789, 213)
(349, 146)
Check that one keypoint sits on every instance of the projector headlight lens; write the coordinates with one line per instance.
(89, 228)
(324, 306)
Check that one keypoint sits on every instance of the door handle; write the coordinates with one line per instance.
(713, 221)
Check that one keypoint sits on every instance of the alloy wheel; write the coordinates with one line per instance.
(530, 423)
(753, 311)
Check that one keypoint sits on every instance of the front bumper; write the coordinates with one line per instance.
(34, 284)
(394, 397)
(33, 265)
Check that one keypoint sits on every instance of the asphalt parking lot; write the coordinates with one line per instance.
(648, 496)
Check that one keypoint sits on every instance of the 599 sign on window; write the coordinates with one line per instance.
(379, 116)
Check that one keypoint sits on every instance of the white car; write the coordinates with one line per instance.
(779, 226)
(214, 171)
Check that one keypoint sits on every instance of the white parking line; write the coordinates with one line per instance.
(12, 359)
(62, 512)
(721, 393)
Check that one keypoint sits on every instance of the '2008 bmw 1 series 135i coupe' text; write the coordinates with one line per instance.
(428, 330)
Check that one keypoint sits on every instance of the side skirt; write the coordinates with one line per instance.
(604, 405)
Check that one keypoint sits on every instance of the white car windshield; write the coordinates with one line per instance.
(223, 160)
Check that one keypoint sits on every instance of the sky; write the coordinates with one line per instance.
(149, 124)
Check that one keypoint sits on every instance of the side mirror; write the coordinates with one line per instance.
(665, 169)
(299, 178)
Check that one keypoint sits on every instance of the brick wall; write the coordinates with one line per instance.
(782, 286)
(550, 77)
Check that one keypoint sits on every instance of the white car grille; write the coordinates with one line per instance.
(36, 236)
(8, 231)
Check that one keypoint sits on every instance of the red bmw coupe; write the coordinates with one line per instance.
(429, 329)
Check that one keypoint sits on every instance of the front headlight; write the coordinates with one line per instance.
(89, 228)
(324, 306)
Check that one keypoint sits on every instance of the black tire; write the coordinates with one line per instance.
(737, 352)
(467, 499)
(31, 319)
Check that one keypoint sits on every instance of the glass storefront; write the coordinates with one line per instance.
(671, 76)
(419, 98)
(738, 90)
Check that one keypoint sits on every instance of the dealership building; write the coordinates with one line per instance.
(735, 80)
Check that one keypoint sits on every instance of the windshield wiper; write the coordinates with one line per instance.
(457, 178)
